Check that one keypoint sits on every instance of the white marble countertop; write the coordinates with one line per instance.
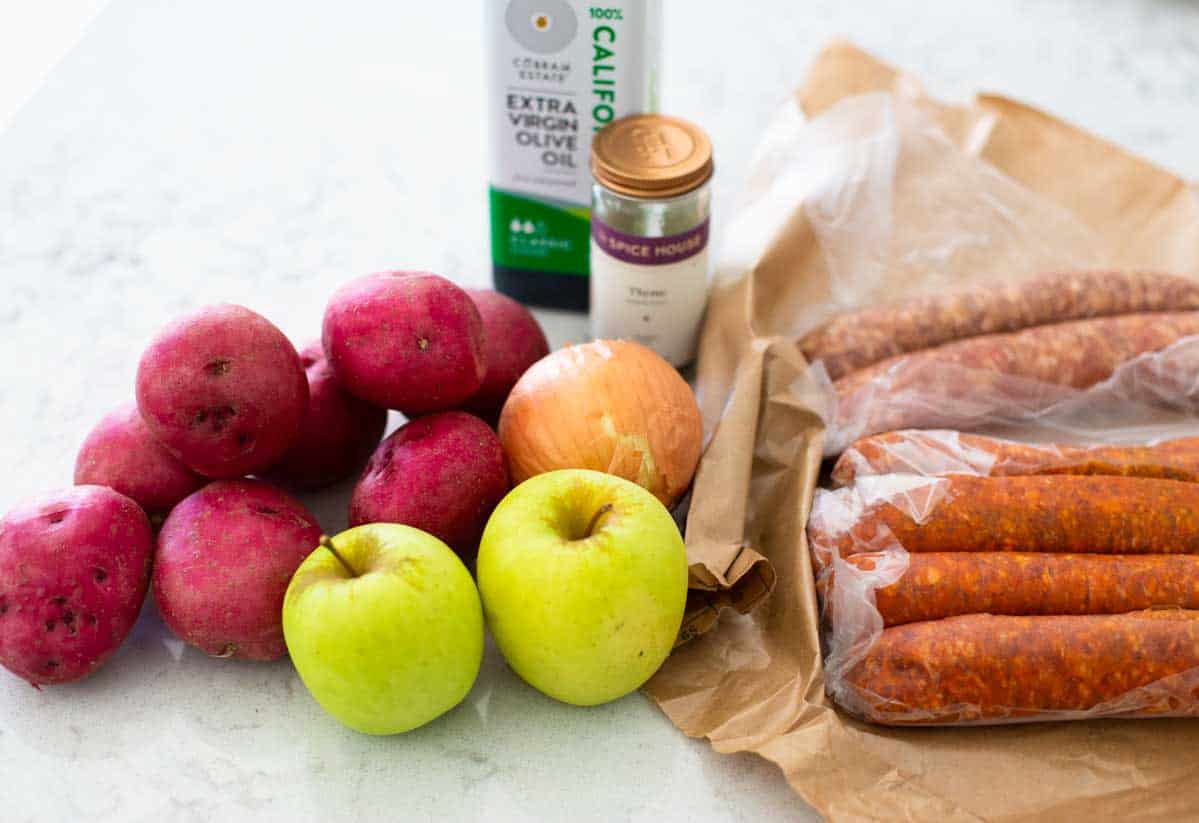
(264, 152)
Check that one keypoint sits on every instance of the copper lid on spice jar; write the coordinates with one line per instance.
(651, 156)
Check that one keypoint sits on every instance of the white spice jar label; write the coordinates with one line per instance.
(650, 289)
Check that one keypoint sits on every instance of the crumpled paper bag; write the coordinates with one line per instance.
(864, 190)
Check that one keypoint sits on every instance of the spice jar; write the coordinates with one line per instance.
(650, 205)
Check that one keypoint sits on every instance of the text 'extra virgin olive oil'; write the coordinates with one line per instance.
(558, 72)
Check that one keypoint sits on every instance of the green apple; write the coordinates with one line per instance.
(384, 625)
(584, 578)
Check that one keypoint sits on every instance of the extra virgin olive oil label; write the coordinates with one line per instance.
(558, 71)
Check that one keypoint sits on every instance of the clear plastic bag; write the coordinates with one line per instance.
(971, 579)
(929, 389)
(1081, 366)
(939, 452)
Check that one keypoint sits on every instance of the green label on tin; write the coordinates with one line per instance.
(527, 233)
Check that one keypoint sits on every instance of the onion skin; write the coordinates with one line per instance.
(611, 405)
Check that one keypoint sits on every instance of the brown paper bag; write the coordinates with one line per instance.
(863, 190)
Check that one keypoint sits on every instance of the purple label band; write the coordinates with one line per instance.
(649, 251)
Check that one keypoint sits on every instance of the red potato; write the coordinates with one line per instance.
(225, 556)
(223, 390)
(74, 568)
(337, 436)
(442, 474)
(513, 342)
(411, 341)
(121, 453)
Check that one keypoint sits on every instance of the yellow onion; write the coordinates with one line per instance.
(612, 405)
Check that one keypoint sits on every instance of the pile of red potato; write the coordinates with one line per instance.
(221, 395)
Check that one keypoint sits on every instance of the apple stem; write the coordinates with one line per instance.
(327, 543)
(595, 519)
